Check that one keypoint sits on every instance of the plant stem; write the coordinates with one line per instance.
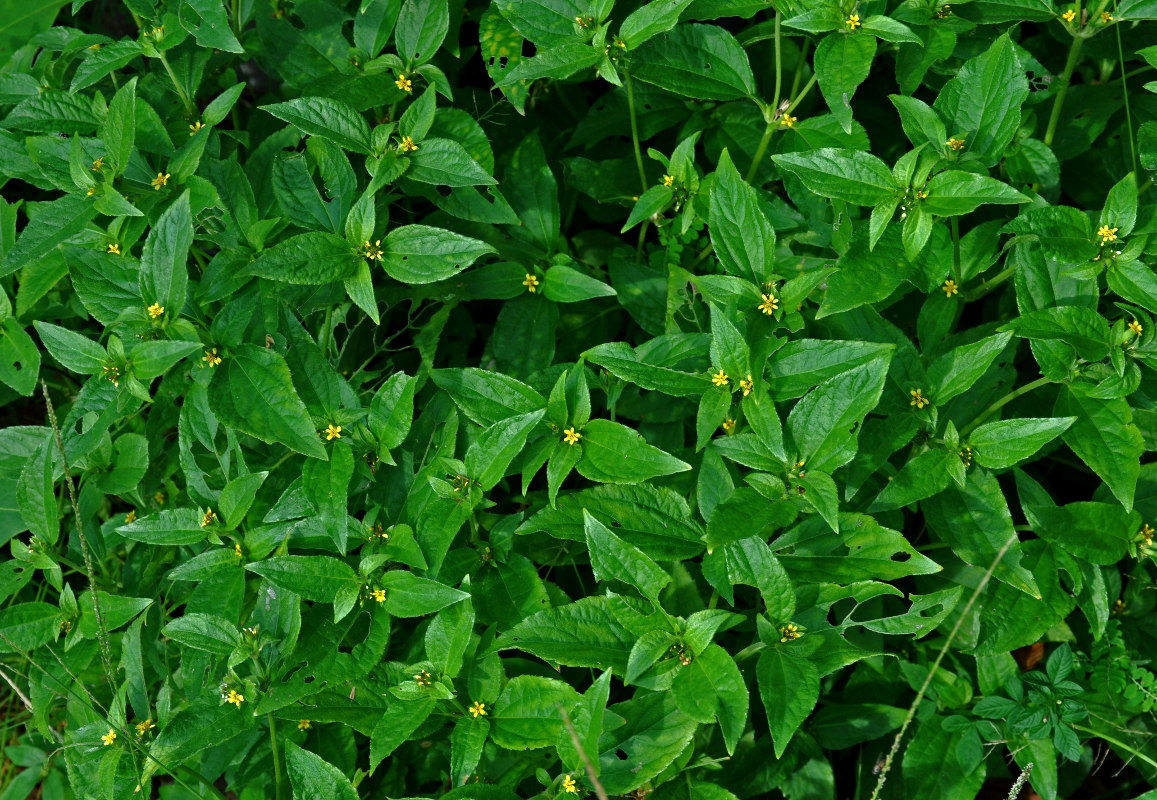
(936, 665)
(1065, 78)
(1125, 93)
(185, 100)
(1001, 403)
(955, 221)
(1120, 744)
(803, 93)
(635, 132)
(323, 339)
(778, 68)
(987, 286)
(279, 792)
(761, 150)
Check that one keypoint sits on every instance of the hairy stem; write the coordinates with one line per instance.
(1065, 78)
(1001, 403)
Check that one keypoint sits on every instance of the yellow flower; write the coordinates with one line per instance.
(235, 697)
(853, 21)
(404, 83)
(408, 145)
(1135, 326)
(160, 498)
(955, 144)
(668, 180)
(1106, 17)
(787, 121)
(568, 785)
(769, 305)
(379, 595)
(918, 399)
(720, 378)
(114, 249)
(966, 455)
(949, 288)
(332, 432)
(1069, 16)
(728, 425)
(145, 727)
(109, 737)
(159, 32)
(1118, 607)
(162, 179)
(91, 191)
(423, 678)
(531, 283)
(373, 251)
(944, 12)
(196, 126)
(747, 385)
(571, 436)
(789, 633)
(478, 709)
(303, 725)
(131, 517)
(211, 358)
(1107, 234)
(208, 519)
(155, 310)
(66, 626)
(237, 549)
(96, 165)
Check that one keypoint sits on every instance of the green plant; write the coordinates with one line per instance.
(527, 398)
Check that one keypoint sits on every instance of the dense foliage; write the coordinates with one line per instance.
(694, 399)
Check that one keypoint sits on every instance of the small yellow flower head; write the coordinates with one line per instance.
(160, 498)
(1107, 234)
(918, 399)
(853, 21)
(1146, 533)
(1106, 17)
(109, 737)
(196, 126)
(747, 385)
(728, 425)
(235, 697)
(404, 83)
(944, 12)
(66, 626)
(114, 249)
(1069, 16)
(789, 633)
(379, 595)
(1118, 607)
(966, 455)
(921, 194)
(569, 785)
(91, 191)
(407, 145)
(720, 378)
(949, 288)
(131, 517)
(478, 709)
(668, 180)
(423, 678)
(145, 727)
(96, 165)
(252, 630)
(531, 283)
(373, 251)
(769, 305)
(159, 32)
(155, 310)
(787, 121)
(303, 725)
(162, 179)
(955, 144)
(332, 432)
(208, 519)
(1135, 326)
(571, 436)
(211, 358)
(237, 549)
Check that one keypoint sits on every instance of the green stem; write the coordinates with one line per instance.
(760, 151)
(803, 93)
(185, 99)
(1120, 744)
(799, 67)
(989, 285)
(778, 68)
(323, 339)
(279, 791)
(237, 19)
(635, 132)
(955, 221)
(1065, 78)
(1001, 403)
(1125, 91)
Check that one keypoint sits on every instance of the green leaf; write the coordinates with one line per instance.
(789, 686)
(1065, 234)
(238, 496)
(657, 16)
(119, 129)
(407, 595)
(252, 392)
(1099, 533)
(932, 768)
(743, 236)
(614, 559)
(208, 632)
(999, 445)
(417, 254)
(487, 397)
(848, 175)
(55, 222)
(396, 725)
(700, 61)
(151, 359)
(955, 192)
(1105, 438)
(959, 369)
(842, 63)
(581, 634)
(308, 258)
(711, 687)
(312, 776)
(327, 487)
(317, 578)
(623, 362)
(444, 162)
(26, 626)
(422, 26)
(564, 284)
(170, 526)
(921, 123)
(1120, 211)
(19, 358)
(824, 423)
(526, 715)
(36, 495)
(654, 735)
(559, 62)
(544, 22)
(613, 453)
(533, 193)
(74, 351)
(488, 459)
(1082, 328)
(330, 119)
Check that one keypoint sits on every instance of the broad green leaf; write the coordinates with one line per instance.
(700, 61)
(581, 634)
(623, 362)
(612, 558)
(564, 284)
(26, 626)
(842, 63)
(167, 527)
(312, 776)
(1096, 532)
(488, 459)
(657, 16)
(421, 27)
(407, 595)
(308, 258)
(955, 192)
(1010, 619)
(544, 22)
(613, 453)
(53, 224)
(208, 632)
(487, 397)
(317, 578)
(999, 445)
(959, 369)
(743, 236)
(789, 686)
(327, 487)
(399, 722)
(36, 494)
(932, 768)
(444, 162)
(803, 363)
(416, 254)
(849, 175)
(331, 119)
(526, 715)
(533, 192)
(560, 61)
(151, 359)
(238, 495)
(1105, 438)
(824, 423)
(654, 735)
(921, 123)
(711, 687)
(1065, 234)
(1081, 328)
